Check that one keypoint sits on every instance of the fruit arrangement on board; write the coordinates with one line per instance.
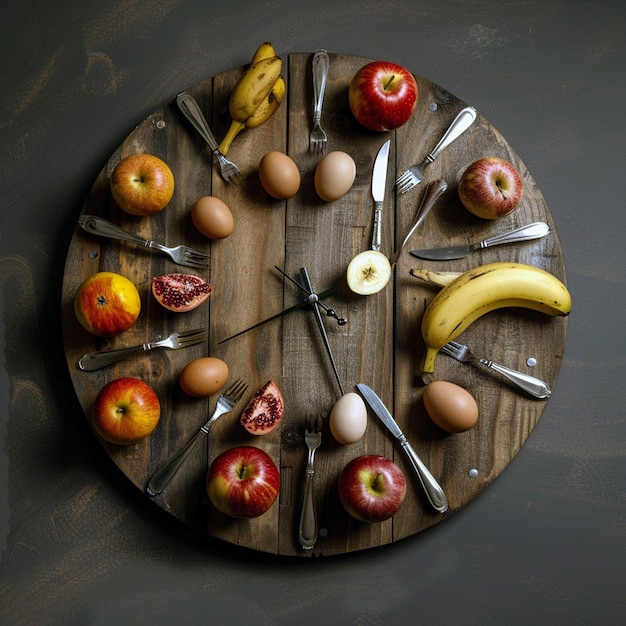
(243, 482)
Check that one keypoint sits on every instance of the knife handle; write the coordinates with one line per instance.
(433, 490)
(536, 230)
(376, 232)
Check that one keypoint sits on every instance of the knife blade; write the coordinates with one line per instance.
(379, 181)
(433, 490)
(536, 230)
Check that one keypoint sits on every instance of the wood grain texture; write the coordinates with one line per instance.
(380, 345)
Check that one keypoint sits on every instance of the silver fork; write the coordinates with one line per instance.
(182, 255)
(96, 360)
(414, 175)
(191, 110)
(225, 403)
(534, 386)
(318, 141)
(307, 532)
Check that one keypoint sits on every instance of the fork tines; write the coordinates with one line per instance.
(236, 390)
(313, 424)
(318, 142)
(193, 258)
(229, 170)
(406, 181)
(189, 337)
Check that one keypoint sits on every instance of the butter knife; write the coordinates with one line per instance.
(433, 491)
(379, 180)
(535, 230)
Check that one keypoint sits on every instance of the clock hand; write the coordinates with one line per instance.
(320, 324)
(295, 307)
(315, 298)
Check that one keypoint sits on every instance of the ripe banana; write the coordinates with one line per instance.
(265, 110)
(484, 289)
(270, 104)
(253, 87)
(257, 94)
(264, 51)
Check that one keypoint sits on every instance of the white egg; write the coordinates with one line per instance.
(348, 418)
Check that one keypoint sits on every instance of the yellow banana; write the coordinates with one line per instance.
(264, 51)
(268, 107)
(484, 289)
(264, 111)
(253, 87)
(234, 129)
(438, 279)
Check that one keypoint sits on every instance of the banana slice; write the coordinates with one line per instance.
(368, 272)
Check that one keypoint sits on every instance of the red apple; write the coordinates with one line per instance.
(106, 304)
(142, 184)
(243, 482)
(125, 411)
(382, 95)
(372, 488)
(490, 188)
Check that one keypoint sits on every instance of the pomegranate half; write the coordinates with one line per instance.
(180, 292)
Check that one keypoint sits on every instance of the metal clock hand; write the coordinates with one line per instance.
(320, 324)
(312, 297)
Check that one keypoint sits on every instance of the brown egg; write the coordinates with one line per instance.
(451, 407)
(212, 217)
(334, 175)
(204, 376)
(279, 175)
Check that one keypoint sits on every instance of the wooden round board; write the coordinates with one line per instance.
(381, 343)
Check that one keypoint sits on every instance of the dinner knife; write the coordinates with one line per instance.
(379, 181)
(536, 230)
(433, 490)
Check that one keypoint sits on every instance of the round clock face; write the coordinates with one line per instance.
(379, 345)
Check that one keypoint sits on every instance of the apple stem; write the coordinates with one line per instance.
(391, 79)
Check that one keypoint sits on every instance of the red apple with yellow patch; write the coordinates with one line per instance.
(243, 482)
(490, 188)
(142, 184)
(372, 488)
(126, 410)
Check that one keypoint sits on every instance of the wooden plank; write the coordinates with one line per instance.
(380, 345)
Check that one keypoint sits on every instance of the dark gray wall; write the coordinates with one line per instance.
(545, 543)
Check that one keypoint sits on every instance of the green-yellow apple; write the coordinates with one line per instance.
(126, 410)
(106, 304)
(142, 184)
(382, 95)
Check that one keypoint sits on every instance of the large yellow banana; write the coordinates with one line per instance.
(484, 289)
(264, 51)
(253, 87)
